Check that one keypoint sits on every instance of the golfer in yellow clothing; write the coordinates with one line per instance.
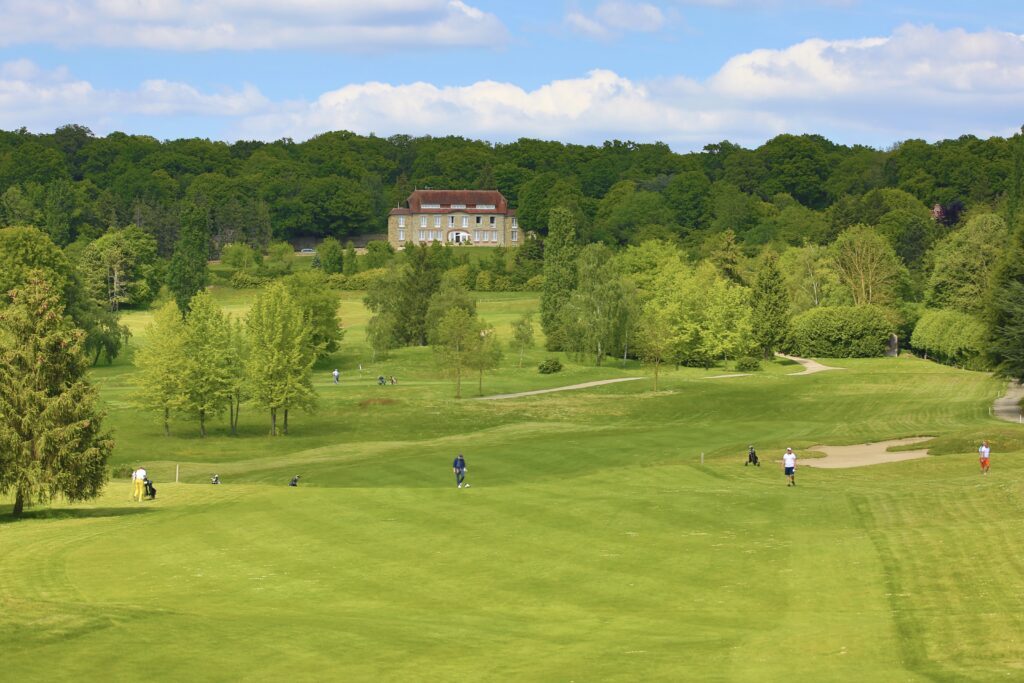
(139, 476)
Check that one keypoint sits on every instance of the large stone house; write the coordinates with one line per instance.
(478, 218)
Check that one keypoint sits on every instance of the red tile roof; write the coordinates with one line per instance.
(470, 198)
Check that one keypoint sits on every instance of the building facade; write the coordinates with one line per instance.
(479, 218)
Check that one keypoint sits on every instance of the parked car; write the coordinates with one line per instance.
(307, 250)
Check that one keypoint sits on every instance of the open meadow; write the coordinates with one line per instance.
(593, 544)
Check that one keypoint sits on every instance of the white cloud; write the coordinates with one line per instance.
(249, 24)
(918, 82)
(613, 17)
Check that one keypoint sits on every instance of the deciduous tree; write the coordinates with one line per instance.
(281, 354)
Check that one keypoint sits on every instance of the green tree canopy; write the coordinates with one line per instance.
(51, 437)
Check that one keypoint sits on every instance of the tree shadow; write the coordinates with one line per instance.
(71, 513)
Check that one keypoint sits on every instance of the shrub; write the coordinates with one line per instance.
(951, 337)
(240, 256)
(841, 332)
(534, 284)
(484, 281)
(244, 280)
(748, 364)
(361, 281)
(550, 366)
(330, 256)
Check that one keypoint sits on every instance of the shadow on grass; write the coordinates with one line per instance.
(71, 513)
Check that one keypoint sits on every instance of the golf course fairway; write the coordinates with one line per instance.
(593, 545)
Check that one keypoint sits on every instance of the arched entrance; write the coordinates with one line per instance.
(458, 237)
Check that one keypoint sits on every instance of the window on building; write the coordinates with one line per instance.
(515, 235)
(465, 221)
(515, 222)
(485, 207)
(423, 235)
(401, 221)
(458, 206)
(437, 221)
(451, 221)
(494, 235)
(423, 221)
(476, 235)
(401, 234)
(492, 220)
(430, 206)
(479, 220)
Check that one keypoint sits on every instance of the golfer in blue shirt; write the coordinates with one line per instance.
(459, 467)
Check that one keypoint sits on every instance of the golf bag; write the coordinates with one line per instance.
(294, 481)
(215, 479)
(752, 458)
(150, 489)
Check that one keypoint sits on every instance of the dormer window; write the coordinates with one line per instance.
(430, 206)
(485, 207)
(458, 206)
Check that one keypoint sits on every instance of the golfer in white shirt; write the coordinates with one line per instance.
(789, 466)
(139, 476)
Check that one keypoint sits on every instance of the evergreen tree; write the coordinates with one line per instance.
(186, 273)
(331, 256)
(420, 279)
(1006, 313)
(206, 361)
(559, 274)
(281, 354)
(51, 437)
(349, 263)
(160, 361)
(769, 317)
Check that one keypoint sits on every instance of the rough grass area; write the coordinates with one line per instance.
(593, 545)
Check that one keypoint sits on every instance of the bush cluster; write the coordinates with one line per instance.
(550, 366)
(841, 332)
(748, 364)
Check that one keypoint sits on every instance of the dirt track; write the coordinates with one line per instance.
(585, 385)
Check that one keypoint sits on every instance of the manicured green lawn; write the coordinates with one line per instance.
(593, 545)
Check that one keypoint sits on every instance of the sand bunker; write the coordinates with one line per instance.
(810, 366)
(861, 455)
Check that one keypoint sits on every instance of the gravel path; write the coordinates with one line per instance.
(810, 366)
(1007, 407)
(861, 455)
(571, 387)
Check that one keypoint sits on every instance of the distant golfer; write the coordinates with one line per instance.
(983, 453)
(336, 374)
(459, 467)
(294, 481)
(789, 466)
(139, 479)
(752, 457)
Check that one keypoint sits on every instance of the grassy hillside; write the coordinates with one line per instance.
(593, 544)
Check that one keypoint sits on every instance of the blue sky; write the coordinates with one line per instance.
(687, 72)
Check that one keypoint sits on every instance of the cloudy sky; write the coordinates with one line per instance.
(686, 72)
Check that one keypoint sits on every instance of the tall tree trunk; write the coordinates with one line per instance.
(202, 423)
(522, 350)
(458, 382)
(480, 387)
(656, 364)
(286, 422)
(273, 421)
(19, 503)
(167, 421)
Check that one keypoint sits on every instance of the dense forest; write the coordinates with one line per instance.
(801, 244)
(791, 190)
